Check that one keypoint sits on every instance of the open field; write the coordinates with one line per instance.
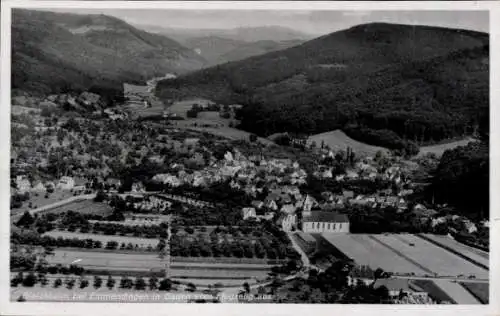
(141, 242)
(458, 293)
(180, 108)
(211, 274)
(116, 261)
(365, 251)
(228, 266)
(40, 200)
(209, 121)
(395, 254)
(338, 140)
(426, 254)
(479, 290)
(438, 150)
(106, 260)
(84, 207)
(477, 255)
(19, 109)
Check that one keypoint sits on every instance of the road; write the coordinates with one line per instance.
(303, 256)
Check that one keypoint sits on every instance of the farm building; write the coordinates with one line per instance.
(66, 183)
(325, 222)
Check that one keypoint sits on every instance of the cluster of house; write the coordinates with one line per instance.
(244, 173)
(284, 205)
(459, 221)
(113, 114)
(367, 169)
(74, 184)
(153, 203)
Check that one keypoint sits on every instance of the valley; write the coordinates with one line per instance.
(249, 164)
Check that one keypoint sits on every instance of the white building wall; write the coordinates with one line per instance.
(324, 227)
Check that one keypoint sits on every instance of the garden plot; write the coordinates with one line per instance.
(365, 251)
(432, 257)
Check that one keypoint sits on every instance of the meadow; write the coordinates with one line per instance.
(338, 140)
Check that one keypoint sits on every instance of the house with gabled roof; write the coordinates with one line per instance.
(287, 221)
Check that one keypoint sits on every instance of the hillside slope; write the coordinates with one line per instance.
(54, 52)
(256, 48)
(218, 50)
(417, 82)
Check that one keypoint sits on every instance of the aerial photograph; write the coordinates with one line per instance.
(249, 156)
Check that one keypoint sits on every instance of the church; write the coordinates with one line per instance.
(324, 222)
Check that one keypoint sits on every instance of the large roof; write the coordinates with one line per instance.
(329, 217)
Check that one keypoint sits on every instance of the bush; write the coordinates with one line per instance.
(139, 284)
(30, 280)
(70, 283)
(57, 283)
(84, 283)
(97, 282)
(110, 283)
(18, 279)
(126, 283)
(165, 285)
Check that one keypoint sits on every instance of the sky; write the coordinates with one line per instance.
(311, 22)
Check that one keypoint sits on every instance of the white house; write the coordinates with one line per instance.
(288, 209)
(23, 184)
(38, 187)
(287, 221)
(66, 183)
(248, 212)
(325, 222)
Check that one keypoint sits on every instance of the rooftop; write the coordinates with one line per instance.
(393, 284)
(331, 217)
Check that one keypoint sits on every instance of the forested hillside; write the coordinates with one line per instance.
(397, 83)
(462, 179)
(55, 52)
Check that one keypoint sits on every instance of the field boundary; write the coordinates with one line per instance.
(453, 251)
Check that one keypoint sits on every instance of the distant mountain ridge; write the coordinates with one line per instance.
(54, 52)
(422, 83)
(219, 46)
(246, 34)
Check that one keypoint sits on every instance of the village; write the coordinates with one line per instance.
(164, 174)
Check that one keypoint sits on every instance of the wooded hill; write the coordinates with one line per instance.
(399, 82)
(60, 52)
